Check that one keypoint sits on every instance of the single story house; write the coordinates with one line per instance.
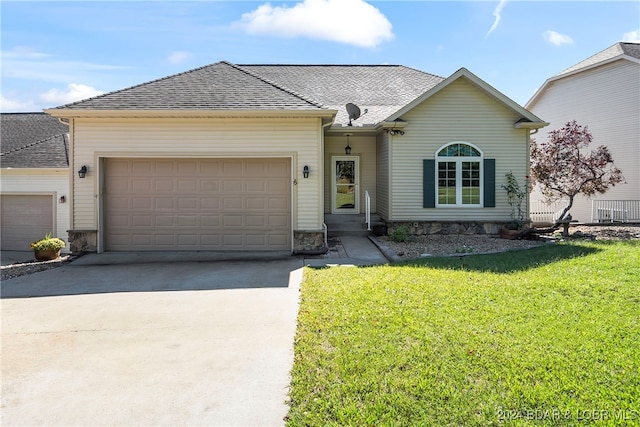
(603, 93)
(252, 157)
(34, 179)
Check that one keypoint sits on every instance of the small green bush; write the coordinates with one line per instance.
(400, 234)
(48, 243)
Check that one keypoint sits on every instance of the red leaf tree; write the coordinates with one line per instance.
(564, 168)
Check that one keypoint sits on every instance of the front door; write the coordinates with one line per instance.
(345, 198)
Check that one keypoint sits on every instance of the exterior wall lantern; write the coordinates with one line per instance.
(305, 171)
(347, 149)
(83, 171)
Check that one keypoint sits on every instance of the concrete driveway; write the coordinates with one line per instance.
(157, 340)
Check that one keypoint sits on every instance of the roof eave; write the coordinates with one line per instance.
(70, 113)
(560, 76)
(530, 125)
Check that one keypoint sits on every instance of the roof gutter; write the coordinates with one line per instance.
(77, 113)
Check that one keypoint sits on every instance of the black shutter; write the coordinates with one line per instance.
(489, 183)
(429, 183)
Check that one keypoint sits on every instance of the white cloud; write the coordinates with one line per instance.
(556, 38)
(178, 57)
(74, 92)
(497, 12)
(12, 105)
(352, 22)
(23, 52)
(631, 36)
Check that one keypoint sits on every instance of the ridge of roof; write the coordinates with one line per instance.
(34, 144)
(277, 86)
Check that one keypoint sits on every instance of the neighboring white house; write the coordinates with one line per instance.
(603, 93)
(34, 179)
(253, 157)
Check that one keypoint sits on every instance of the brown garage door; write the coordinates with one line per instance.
(25, 218)
(197, 204)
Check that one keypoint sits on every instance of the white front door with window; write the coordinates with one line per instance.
(345, 173)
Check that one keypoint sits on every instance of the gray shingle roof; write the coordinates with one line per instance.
(614, 51)
(33, 140)
(631, 49)
(219, 86)
(381, 89)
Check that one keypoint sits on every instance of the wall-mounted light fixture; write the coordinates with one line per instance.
(347, 149)
(63, 199)
(83, 171)
(395, 132)
(305, 171)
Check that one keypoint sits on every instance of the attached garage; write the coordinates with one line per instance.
(25, 218)
(197, 204)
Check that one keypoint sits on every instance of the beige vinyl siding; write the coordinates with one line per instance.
(607, 100)
(382, 175)
(362, 147)
(42, 181)
(298, 139)
(459, 112)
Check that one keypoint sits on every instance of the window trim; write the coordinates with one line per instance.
(458, 161)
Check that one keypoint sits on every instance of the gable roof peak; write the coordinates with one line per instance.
(615, 51)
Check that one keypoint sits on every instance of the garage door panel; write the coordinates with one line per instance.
(164, 186)
(233, 168)
(210, 204)
(197, 204)
(145, 167)
(209, 186)
(210, 221)
(141, 186)
(232, 204)
(256, 186)
(232, 186)
(138, 203)
(281, 221)
(256, 203)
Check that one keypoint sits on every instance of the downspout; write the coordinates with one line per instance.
(325, 229)
(528, 170)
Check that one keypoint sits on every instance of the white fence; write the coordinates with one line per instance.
(540, 211)
(615, 211)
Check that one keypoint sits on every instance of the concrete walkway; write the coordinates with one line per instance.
(358, 250)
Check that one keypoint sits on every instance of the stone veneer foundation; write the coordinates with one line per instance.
(83, 241)
(441, 227)
(309, 242)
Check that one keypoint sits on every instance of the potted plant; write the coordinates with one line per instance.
(515, 197)
(48, 248)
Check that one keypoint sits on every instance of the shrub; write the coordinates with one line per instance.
(400, 233)
(48, 243)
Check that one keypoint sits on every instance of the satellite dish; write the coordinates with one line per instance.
(353, 111)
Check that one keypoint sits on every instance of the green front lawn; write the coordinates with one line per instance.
(548, 336)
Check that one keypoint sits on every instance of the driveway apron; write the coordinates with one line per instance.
(170, 343)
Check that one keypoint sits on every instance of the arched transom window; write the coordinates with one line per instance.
(459, 175)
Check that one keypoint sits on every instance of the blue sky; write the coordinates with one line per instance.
(53, 53)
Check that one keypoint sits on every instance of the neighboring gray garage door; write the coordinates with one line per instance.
(197, 204)
(24, 220)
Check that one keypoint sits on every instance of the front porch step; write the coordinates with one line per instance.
(349, 225)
